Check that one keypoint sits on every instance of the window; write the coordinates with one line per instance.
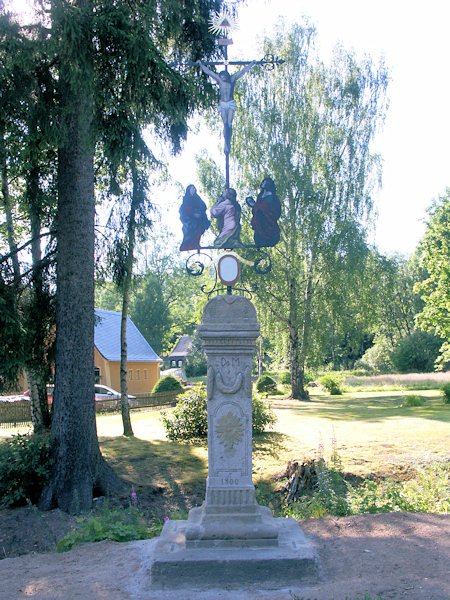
(138, 374)
(173, 363)
(130, 374)
(97, 375)
(180, 363)
(145, 373)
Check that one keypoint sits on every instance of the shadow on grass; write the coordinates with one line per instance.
(270, 443)
(169, 475)
(368, 407)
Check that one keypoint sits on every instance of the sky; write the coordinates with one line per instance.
(412, 36)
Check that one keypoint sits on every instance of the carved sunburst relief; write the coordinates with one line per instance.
(229, 430)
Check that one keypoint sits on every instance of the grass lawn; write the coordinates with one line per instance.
(373, 433)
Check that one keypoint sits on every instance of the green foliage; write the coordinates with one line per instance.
(332, 383)
(323, 189)
(445, 392)
(263, 416)
(149, 311)
(195, 364)
(265, 384)
(168, 383)
(285, 378)
(416, 353)
(117, 524)
(11, 349)
(434, 255)
(413, 400)
(24, 468)
(426, 491)
(378, 357)
(189, 420)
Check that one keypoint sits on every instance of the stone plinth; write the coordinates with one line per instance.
(230, 527)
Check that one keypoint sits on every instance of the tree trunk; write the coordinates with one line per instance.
(296, 363)
(126, 286)
(40, 414)
(37, 370)
(124, 406)
(303, 341)
(78, 469)
(260, 357)
(8, 216)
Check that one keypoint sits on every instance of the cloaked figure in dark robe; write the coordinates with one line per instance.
(194, 219)
(266, 212)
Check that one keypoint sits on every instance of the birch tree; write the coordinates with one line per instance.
(309, 127)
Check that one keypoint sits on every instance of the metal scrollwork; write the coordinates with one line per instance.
(194, 265)
(262, 264)
(270, 61)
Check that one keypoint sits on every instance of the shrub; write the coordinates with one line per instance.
(426, 492)
(285, 378)
(24, 468)
(377, 358)
(445, 391)
(416, 353)
(189, 420)
(263, 416)
(168, 383)
(332, 383)
(265, 384)
(118, 524)
(414, 400)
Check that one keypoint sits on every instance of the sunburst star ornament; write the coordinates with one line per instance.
(229, 430)
(221, 23)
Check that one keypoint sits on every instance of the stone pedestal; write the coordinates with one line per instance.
(230, 516)
(230, 527)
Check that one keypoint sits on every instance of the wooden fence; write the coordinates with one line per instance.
(17, 414)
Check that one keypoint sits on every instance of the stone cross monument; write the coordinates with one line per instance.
(230, 516)
(230, 540)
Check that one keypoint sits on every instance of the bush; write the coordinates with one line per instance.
(168, 383)
(117, 524)
(265, 384)
(414, 400)
(445, 391)
(285, 378)
(24, 468)
(377, 358)
(416, 353)
(263, 416)
(189, 420)
(332, 383)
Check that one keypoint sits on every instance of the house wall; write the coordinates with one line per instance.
(142, 376)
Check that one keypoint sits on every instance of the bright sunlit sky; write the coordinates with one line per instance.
(412, 36)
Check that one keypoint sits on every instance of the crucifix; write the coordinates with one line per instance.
(222, 24)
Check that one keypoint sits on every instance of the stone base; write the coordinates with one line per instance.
(231, 530)
(175, 566)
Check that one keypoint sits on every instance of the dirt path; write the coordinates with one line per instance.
(395, 556)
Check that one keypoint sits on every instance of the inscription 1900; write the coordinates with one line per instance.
(229, 480)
